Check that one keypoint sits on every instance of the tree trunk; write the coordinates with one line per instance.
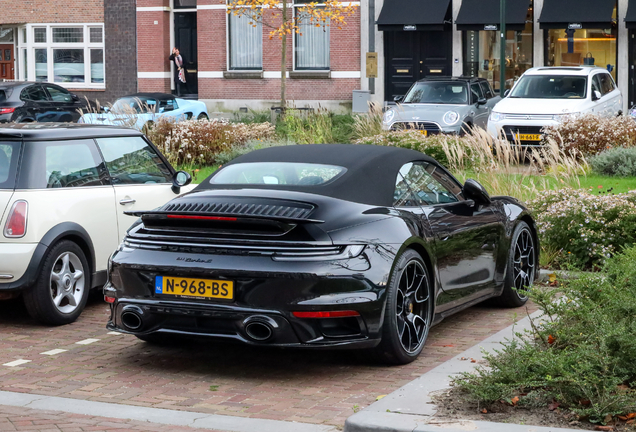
(283, 63)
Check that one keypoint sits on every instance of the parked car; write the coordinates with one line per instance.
(443, 105)
(543, 96)
(25, 102)
(141, 110)
(321, 246)
(63, 193)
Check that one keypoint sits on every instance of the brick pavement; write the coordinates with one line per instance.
(217, 378)
(25, 419)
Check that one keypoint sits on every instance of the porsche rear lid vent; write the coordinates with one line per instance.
(251, 207)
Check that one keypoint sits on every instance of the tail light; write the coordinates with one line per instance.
(6, 110)
(17, 221)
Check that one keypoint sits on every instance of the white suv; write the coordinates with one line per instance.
(544, 95)
(63, 193)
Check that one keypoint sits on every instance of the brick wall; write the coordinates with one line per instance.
(120, 28)
(51, 11)
(153, 45)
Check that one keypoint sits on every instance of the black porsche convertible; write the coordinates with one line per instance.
(325, 246)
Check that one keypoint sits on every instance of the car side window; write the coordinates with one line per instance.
(596, 84)
(131, 160)
(58, 94)
(403, 196)
(475, 90)
(487, 90)
(427, 183)
(168, 105)
(34, 93)
(607, 85)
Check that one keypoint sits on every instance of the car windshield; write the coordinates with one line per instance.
(438, 93)
(134, 105)
(278, 173)
(8, 163)
(550, 87)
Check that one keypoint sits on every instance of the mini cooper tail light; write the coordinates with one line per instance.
(7, 110)
(17, 221)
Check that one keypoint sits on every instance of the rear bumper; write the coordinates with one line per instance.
(19, 263)
(265, 291)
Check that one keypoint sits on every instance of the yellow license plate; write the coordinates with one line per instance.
(529, 137)
(188, 287)
(424, 132)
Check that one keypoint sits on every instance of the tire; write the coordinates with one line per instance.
(203, 116)
(408, 311)
(520, 268)
(60, 292)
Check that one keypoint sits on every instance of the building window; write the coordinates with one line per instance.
(482, 54)
(311, 50)
(246, 43)
(72, 56)
(583, 47)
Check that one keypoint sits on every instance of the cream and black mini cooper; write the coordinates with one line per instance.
(63, 192)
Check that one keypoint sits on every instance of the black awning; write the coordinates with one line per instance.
(630, 18)
(484, 15)
(577, 14)
(414, 15)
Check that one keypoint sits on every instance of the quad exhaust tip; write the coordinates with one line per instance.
(131, 318)
(259, 328)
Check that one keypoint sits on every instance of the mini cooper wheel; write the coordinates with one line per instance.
(408, 312)
(61, 289)
(521, 268)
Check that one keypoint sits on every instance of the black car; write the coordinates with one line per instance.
(24, 102)
(326, 246)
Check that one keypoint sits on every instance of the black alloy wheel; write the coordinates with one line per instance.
(521, 269)
(408, 312)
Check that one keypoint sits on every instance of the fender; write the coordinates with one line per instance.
(69, 230)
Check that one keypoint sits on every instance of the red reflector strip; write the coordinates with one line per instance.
(217, 218)
(326, 314)
(109, 299)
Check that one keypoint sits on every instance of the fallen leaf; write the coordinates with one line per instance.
(379, 397)
(630, 422)
(514, 400)
(622, 418)
(554, 405)
(604, 428)
(600, 187)
(472, 360)
(631, 415)
(552, 277)
(449, 346)
(484, 411)
(551, 339)
(585, 402)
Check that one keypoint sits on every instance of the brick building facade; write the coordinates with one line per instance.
(89, 48)
(211, 74)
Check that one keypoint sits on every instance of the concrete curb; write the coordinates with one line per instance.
(156, 415)
(410, 408)
(544, 275)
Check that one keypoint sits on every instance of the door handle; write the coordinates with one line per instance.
(127, 201)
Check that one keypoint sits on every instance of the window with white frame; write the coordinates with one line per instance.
(71, 55)
(311, 44)
(245, 40)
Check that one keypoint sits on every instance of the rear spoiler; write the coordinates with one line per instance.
(218, 216)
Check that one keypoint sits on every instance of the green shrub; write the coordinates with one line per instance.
(586, 228)
(315, 127)
(415, 140)
(240, 149)
(591, 134)
(580, 353)
(619, 162)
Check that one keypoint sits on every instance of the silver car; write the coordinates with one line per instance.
(443, 105)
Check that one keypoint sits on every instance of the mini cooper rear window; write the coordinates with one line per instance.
(8, 161)
(278, 173)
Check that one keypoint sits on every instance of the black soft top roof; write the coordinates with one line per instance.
(370, 176)
(61, 131)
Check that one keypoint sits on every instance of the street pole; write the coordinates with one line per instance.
(502, 45)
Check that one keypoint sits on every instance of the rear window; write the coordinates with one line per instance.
(278, 173)
(9, 152)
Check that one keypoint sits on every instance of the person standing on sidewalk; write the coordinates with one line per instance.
(179, 72)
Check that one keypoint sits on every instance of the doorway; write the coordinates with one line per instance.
(7, 62)
(185, 36)
(413, 55)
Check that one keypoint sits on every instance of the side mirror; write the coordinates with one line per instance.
(475, 191)
(596, 95)
(75, 97)
(180, 179)
(482, 101)
(106, 109)
(506, 93)
(398, 98)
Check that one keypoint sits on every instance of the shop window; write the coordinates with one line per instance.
(312, 50)
(482, 54)
(583, 47)
(246, 43)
